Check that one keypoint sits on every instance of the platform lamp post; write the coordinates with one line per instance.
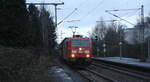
(143, 57)
(120, 46)
(104, 49)
(148, 58)
(120, 43)
(96, 44)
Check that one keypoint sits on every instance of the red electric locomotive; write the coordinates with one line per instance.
(76, 49)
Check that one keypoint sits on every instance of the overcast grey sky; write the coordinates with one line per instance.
(90, 11)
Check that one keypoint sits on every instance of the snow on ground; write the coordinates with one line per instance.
(59, 75)
(130, 61)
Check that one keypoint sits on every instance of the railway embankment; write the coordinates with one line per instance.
(24, 65)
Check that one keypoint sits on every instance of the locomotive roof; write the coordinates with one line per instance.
(79, 38)
(74, 38)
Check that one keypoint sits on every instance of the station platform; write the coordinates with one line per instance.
(127, 61)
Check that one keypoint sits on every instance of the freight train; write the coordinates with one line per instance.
(76, 50)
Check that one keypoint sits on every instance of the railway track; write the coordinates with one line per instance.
(94, 76)
(109, 72)
(86, 75)
(120, 73)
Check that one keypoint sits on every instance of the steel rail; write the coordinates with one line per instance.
(92, 72)
(126, 71)
(100, 75)
(85, 76)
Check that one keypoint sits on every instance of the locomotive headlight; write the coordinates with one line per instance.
(72, 55)
(80, 48)
(74, 51)
(86, 51)
(87, 55)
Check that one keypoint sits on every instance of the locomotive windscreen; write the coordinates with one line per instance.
(84, 43)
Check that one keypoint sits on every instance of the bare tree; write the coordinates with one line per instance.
(108, 37)
(100, 29)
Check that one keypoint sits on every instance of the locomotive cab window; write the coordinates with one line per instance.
(84, 43)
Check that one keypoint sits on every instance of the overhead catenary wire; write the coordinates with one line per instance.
(78, 6)
(81, 4)
(132, 13)
(75, 9)
(116, 10)
(67, 16)
(119, 17)
(92, 10)
(125, 9)
(125, 17)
